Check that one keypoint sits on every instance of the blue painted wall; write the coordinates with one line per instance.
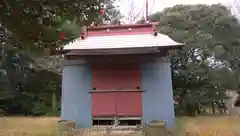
(157, 99)
(76, 100)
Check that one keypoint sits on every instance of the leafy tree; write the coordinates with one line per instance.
(52, 23)
(27, 28)
(209, 57)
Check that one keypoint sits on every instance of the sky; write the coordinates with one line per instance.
(157, 5)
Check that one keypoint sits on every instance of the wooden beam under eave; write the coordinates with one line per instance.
(130, 58)
(121, 51)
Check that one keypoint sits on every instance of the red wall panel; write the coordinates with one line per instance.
(111, 76)
(129, 104)
(103, 104)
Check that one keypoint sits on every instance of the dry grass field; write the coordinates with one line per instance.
(208, 126)
(199, 126)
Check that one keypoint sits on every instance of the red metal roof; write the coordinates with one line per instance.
(109, 30)
(122, 26)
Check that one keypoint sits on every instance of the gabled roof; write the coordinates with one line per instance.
(121, 41)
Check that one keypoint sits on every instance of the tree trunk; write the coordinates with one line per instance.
(224, 107)
(54, 103)
(213, 108)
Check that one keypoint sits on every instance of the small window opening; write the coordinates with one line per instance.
(94, 88)
(103, 122)
(129, 122)
(138, 87)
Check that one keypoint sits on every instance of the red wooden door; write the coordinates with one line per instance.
(104, 104)
(117, 104)
(129, 104)
(122, 77)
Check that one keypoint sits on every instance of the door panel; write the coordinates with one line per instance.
(129, 104)
(117, 104)
(112, 76)
(103, 104)
(122, 77)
